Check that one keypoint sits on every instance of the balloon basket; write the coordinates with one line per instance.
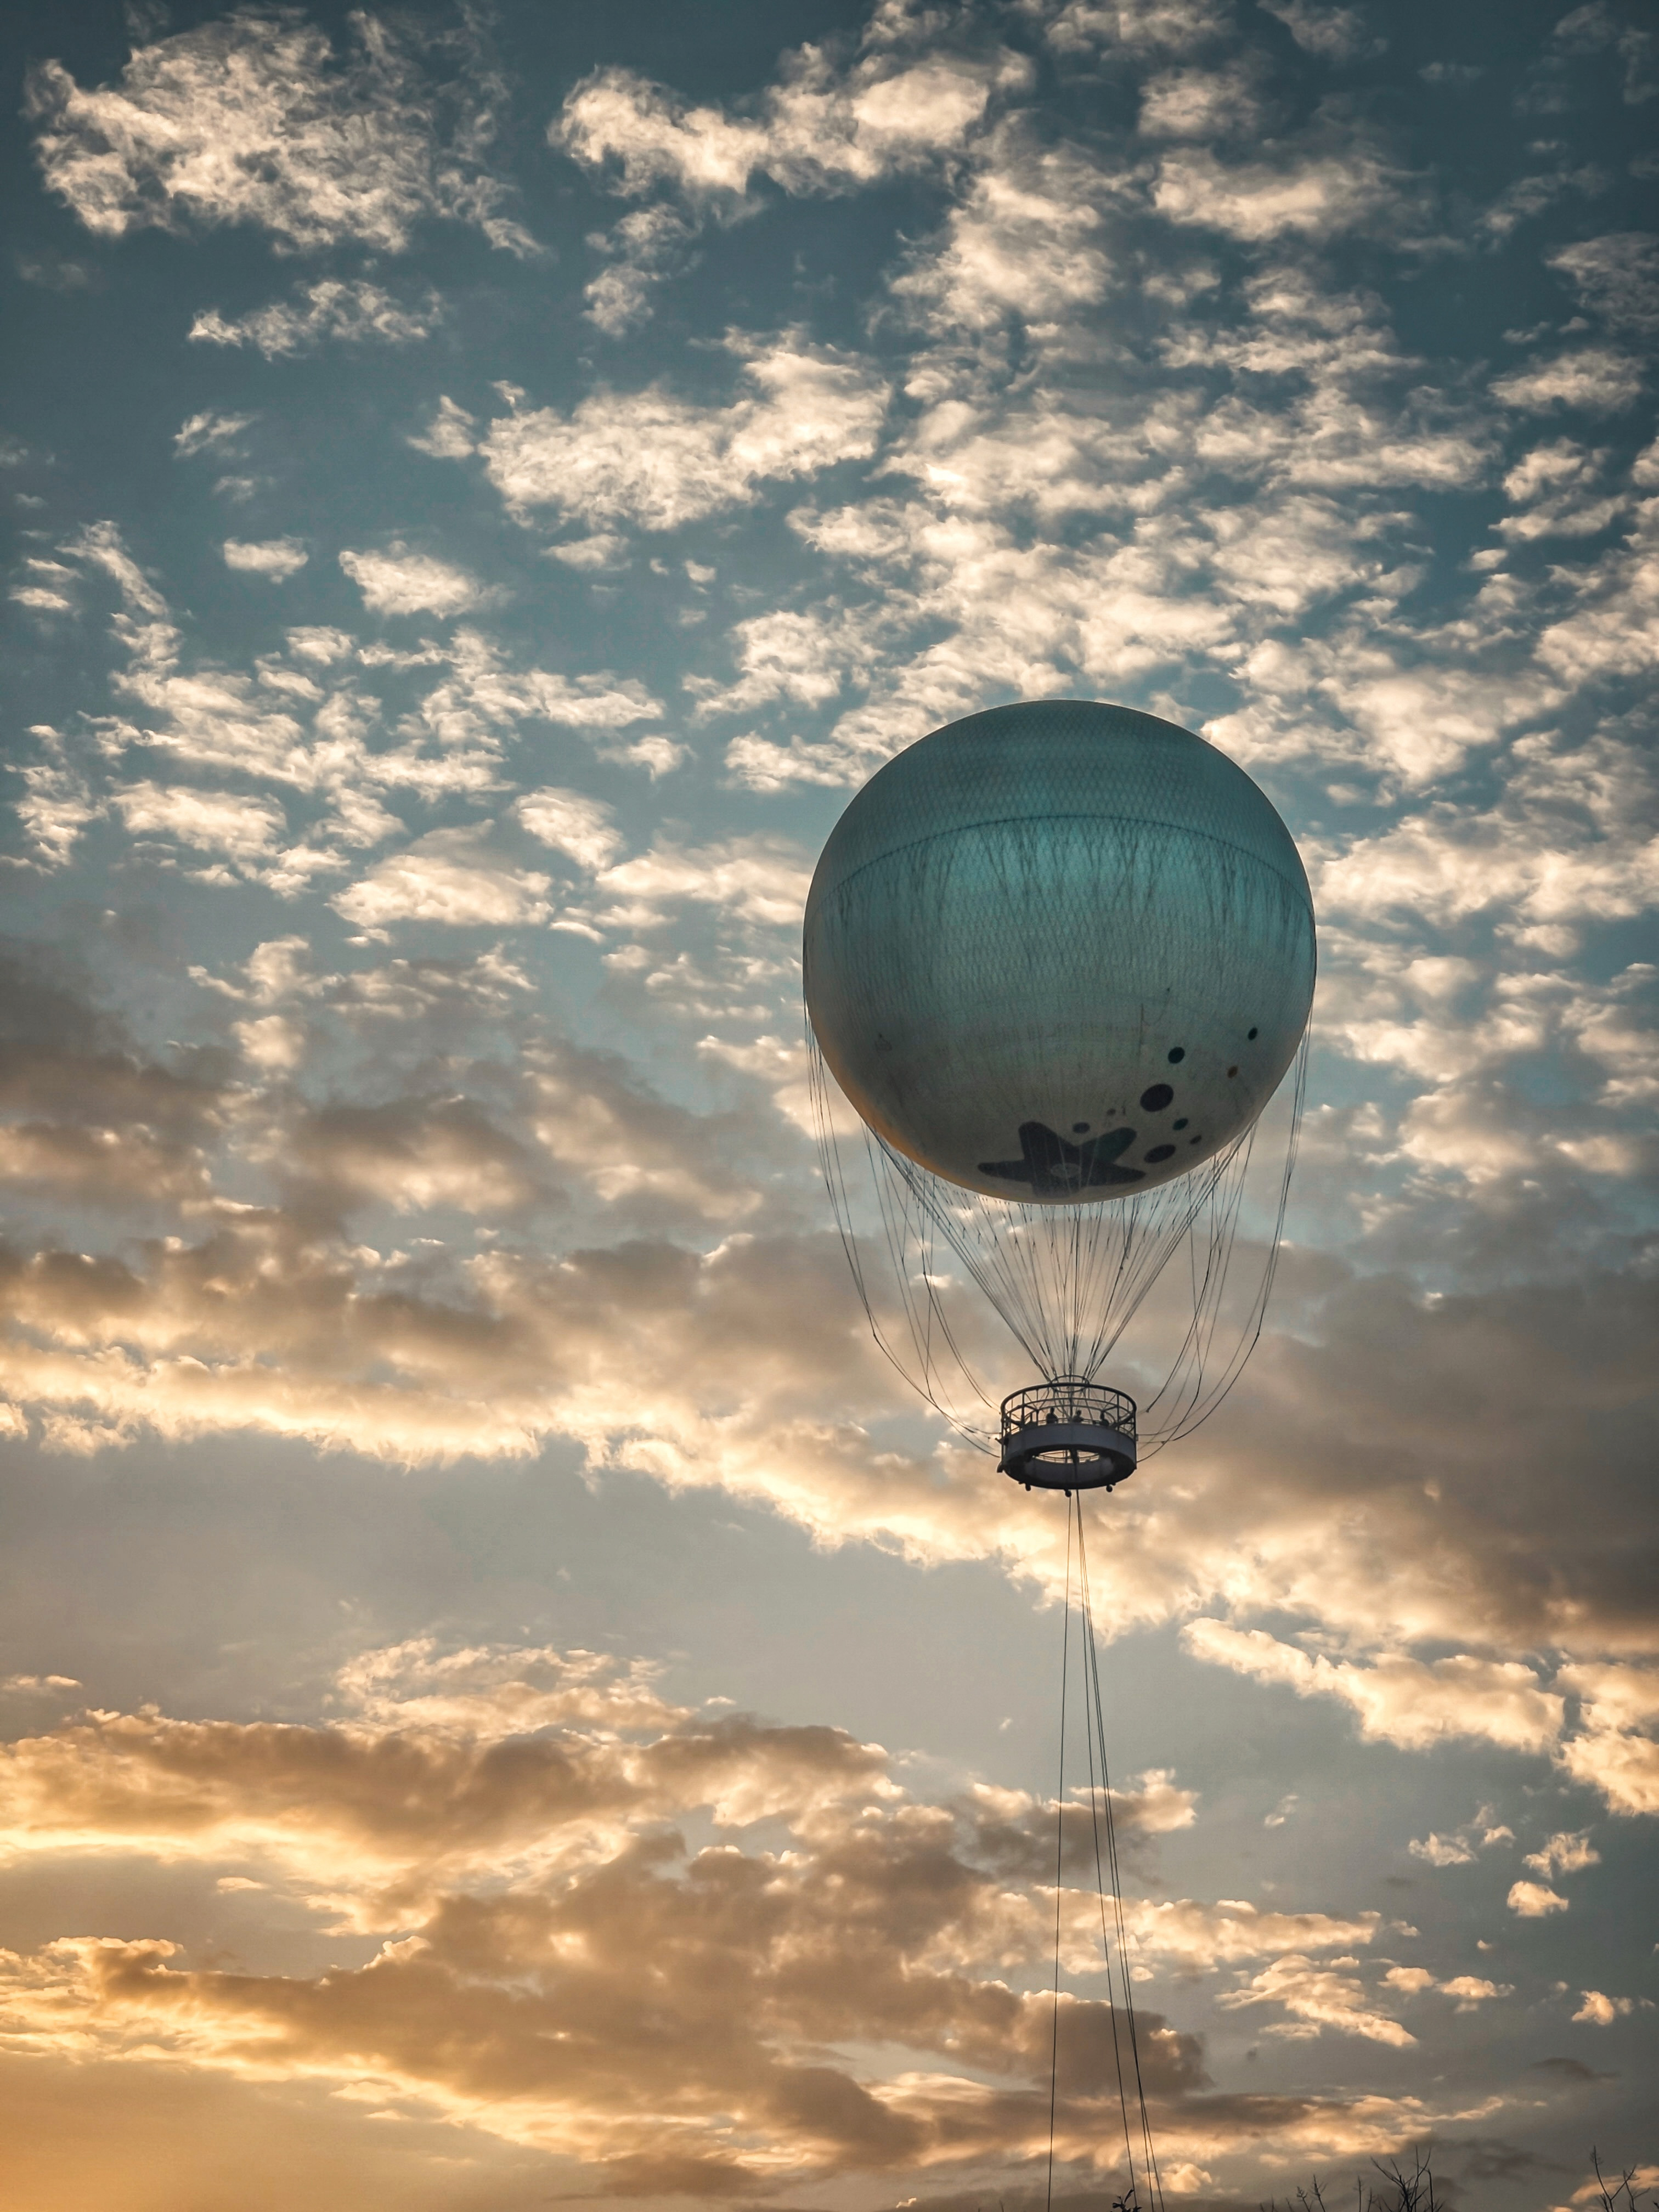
(1068, 1435)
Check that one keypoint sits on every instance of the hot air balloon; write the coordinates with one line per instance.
(1058, 958)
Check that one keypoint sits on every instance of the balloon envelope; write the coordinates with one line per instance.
(1059, 953)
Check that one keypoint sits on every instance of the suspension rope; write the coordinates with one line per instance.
(1066, 1281)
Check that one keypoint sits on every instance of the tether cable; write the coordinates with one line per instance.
(1092, 1697)
(1059, 1854)
(1129, 2198)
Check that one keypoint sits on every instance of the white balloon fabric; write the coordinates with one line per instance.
(1059, 951)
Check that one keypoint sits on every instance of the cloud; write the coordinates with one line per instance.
(761, 880)
(275, 557)
(1613, 631)
(1600, 2011)
(604, 550)
(658, 755)
(1200, 103)
(572, 822)
(1049, 548)
(1331, 33)
(104, 1167)
(818, 131)
(1526, 197)
(448, 437)
(1564, 1854)
(100, 545)
(821, 129)
(1597, 379)
(1615, 1755)
(658, 461)
(306, 721)
(1200, 1937)
(1616, 277)
(1315, 1998)
(193, 1788)
(1399, 1699)
(1560, 491)
(449, 876)
(412, 1155)
(1027, 237)
(253, 119)
(1320, 196)
(1594, 28)
(1129, 454)
(483, 693)
(257, 1321)
(1139, 26)
(399, 582)
(1443, 1851)
(1526, 857)
(1423, 721)
(84, 1114)
(646, 246)
(212, 821)
(808, 657)
(1459, 1850)
(1469, 1991)
(1531, 1901)
(624, 1348)
(352, 312)
(488, 1693)
(1473, 1990)
(506, 1824)
(636, 1152)
(208, 430)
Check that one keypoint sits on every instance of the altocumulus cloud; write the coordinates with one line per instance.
(352, 312)
(657, 460)
(257, 120)
(275, 557)
(399, 582)
(446, 876)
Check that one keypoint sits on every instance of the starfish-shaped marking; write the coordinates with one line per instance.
(1051, 1165)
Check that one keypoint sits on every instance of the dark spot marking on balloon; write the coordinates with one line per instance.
(1254, 1035)
(1232, 1071)
(1181, 1123)
(1158, 1153)
(1080, 1128)
(1177, 1052)
(1195, 1140)
(1153, 1101)
(1054, 1169)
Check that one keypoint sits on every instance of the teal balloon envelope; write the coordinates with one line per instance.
(1059, 951)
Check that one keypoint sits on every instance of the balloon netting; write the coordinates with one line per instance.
(1066, 1281)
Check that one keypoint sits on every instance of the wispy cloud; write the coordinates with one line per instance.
(353, 314)
(255, 119)
(658, 461)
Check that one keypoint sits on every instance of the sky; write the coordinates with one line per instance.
(505, 1698)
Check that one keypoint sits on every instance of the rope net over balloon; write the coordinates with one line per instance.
(1066, 1280)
